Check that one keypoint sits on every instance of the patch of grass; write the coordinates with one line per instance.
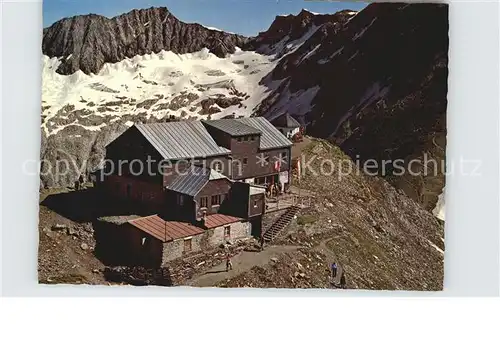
(306, 219)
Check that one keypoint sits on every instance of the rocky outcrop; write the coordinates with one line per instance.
(213, 105)
(72, 152)
(286, 32)
(87, 42)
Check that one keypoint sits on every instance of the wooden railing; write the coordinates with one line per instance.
(283, 202)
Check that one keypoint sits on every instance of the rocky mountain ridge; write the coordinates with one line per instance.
(87, 42)
(287, 32)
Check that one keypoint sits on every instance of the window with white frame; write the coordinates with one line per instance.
(216, 200)
(204, 202)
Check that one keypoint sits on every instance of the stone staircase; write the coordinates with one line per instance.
(280, 223)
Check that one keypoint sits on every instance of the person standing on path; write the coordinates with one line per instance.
(229, 264)
(334, 270)
(261, 242)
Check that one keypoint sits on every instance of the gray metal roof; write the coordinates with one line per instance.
(271, 138)
(193, 179)
(180, 140)
(233, 127)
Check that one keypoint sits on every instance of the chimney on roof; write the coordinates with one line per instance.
(203, 219)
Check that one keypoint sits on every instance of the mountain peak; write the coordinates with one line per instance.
(306, 12)
(152, 9)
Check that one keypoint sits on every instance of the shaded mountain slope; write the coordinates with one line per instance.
(376, 86)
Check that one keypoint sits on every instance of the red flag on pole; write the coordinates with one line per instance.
(298, 168)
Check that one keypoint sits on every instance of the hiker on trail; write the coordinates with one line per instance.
(342, 281)
(334, 270)
(261, 242)
(229, 264)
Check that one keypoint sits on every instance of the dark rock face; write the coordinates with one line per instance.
(381, 81)
(288, 29)
(93, 40)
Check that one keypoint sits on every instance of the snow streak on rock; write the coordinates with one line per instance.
(439, 210)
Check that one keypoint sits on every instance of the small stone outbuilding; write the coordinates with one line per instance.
(161, 241)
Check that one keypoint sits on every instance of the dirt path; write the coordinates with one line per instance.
(242, 262)
(246, 260)
(331, 257)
